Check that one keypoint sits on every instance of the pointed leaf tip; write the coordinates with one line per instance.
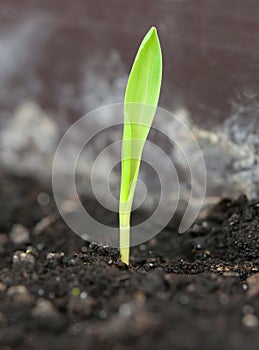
(146, 73)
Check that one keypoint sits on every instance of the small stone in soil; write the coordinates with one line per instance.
(47, 316)
(44, 308)
(20, 295)
(23, 257)
(250, 321)
(55, 256)
(19, 234)
(253, 284)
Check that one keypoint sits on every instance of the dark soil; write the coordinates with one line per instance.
(199, 290)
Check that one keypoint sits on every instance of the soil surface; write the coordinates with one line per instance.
(198, 290)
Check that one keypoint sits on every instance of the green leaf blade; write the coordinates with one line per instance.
(146, 74)
(140, 103)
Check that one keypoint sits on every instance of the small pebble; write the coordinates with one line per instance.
(110, 262)
(250, 321)
(19, 234)
(253, 284)
(55, 256)
(245, 286)
(20, 295)
(47, 316)
(22, 257)
(44, 309)
(204, 224)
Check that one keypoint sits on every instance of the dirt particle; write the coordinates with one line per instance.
(250, 321)
(20, 257)
(253, 284)
(47, 317)
(55, 256)
(20, 295)
(44, 308)
(245, 286)
(19, 234)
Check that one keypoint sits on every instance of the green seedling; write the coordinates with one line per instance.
(140, 104)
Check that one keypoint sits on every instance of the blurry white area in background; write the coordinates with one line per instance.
(29, 140)
(99, 90)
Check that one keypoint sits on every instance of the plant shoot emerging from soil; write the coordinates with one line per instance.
(140, 103)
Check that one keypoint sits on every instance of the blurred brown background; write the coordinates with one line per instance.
(69, 57)
(59, 53)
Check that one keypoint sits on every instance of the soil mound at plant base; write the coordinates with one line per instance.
(237, 240)
(191, 291)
